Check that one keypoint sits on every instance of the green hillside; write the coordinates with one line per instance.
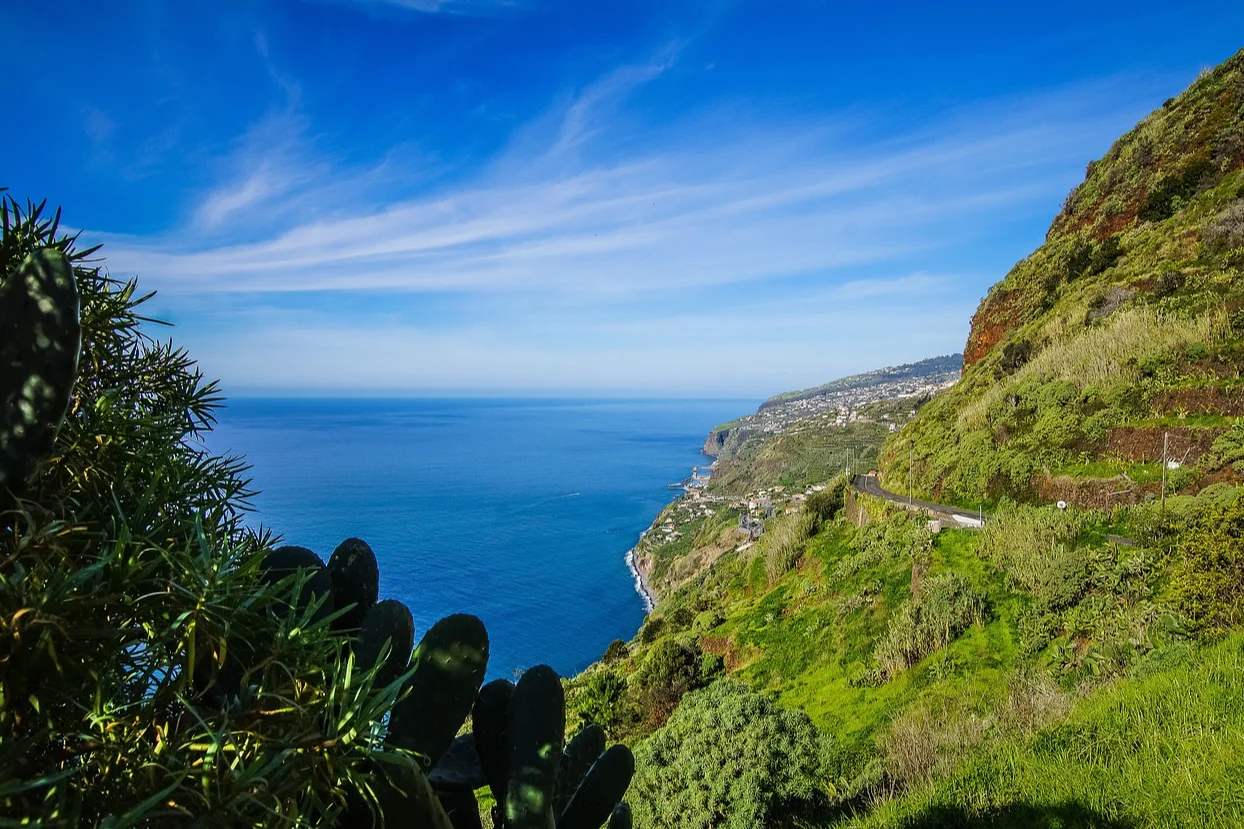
(1122, 331)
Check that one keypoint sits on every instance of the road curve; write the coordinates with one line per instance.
(869, 485)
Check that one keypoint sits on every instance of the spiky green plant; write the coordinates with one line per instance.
(127, 577)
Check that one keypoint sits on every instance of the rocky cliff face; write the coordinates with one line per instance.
(715, 441)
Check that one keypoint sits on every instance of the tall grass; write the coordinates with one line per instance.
(947, 606)
(1035, 547)
(1159, 751)
(1108, 356)
(786, 542)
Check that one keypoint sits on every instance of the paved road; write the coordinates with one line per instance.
(868, 484)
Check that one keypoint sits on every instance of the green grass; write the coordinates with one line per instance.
(797, 641)
(1141, 473)
(1159, 750)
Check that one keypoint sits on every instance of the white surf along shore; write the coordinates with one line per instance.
(642, 587)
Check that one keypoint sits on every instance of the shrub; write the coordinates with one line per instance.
(1035, 547)
(947, 606)
(651, 629)
(1014, 355)
(601, 698)
(785, 543)
(1106, 254)
(924, 742)
(670, 669)
(126, 577)
(1209, 575)
(827, 503)
(706, 621)
(731, 758)
(616, 652)
(1173, 191)
(1227, 450)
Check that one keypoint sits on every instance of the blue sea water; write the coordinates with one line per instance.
(519, 511)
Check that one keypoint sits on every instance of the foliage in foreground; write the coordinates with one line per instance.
(1160, 749)
(162, 664)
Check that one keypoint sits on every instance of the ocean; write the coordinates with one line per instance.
(520, 511)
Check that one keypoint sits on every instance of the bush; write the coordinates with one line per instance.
(924, 743)
(601, 698)
(785, 543)
(1209, 574)
(731, 758)
(1173, 191)
(670, 669)
(1106, 254)
(651, 629)
(616, 652)
(1226, 231)
(1035, 547)
(947, 607)
(827, 503)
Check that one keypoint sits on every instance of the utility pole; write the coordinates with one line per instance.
(909, 468)
(1165, 439)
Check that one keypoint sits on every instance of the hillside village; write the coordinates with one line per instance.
(848, 402)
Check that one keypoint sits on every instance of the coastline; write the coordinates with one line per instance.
(642, 587)
(641, 581)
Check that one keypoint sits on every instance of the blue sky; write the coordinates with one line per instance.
(531, 196)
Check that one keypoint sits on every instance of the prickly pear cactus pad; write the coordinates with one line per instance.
(40, 337)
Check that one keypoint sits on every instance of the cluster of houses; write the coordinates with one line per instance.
(842, 407)
(753, 510)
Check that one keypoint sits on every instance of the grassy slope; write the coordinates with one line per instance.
(1122, 318)
(796, 457)
(1161, 749)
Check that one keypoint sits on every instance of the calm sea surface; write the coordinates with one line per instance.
(519, 511)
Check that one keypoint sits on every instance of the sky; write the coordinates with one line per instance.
(544, 197)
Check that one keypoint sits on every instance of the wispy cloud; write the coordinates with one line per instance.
(790, 234)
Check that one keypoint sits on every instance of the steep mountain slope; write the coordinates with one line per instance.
(1122, 331)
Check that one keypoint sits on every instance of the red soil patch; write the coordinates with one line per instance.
(723, 646)
(996, 316)
(1143, 444)
(1093, 493)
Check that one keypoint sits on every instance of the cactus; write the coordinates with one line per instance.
(515, 745)
(620, 818)
(40, 337)
(488, 724)
(589, 780)
(602, 788)
(580, 753)
(355, 581)
(285, 561)
(535, 728)
(388, 621)
(449, 666)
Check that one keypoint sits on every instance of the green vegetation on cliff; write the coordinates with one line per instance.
(1121, 332)
(1042, 671)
